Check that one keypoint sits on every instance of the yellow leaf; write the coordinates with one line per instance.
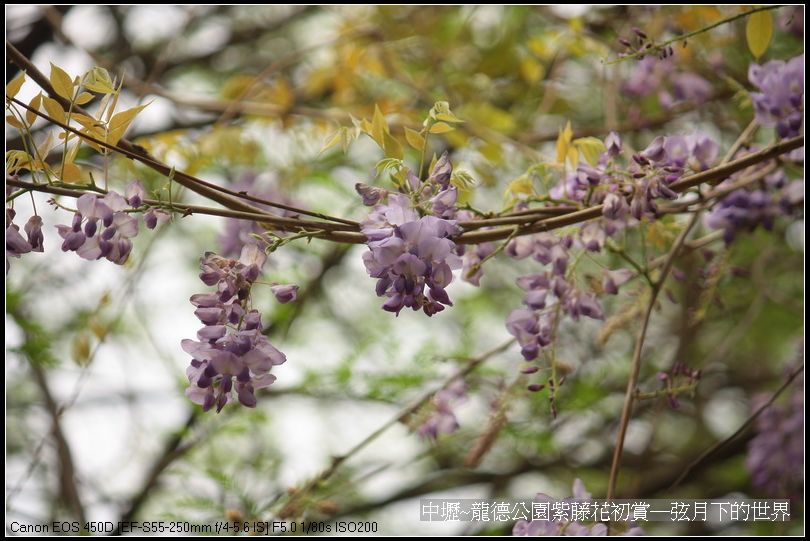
(54, 110)
(441, 127)
(16, 160)
(120, 122)
(379, 127)
(98, 80)
(12, 120)
(392, 147)
(81, 350)
(414, 138)
(492, 152)
(758, 32)
(332, 140)
(84, 120)
(563, 142)
(441, 111)
(98, 328)
(573, 157)
(531, 70)
(61, 82)
(591, 148)
(14, 86)
(31, 116)
(71, 173)
(343, 136)
(46, 145)
(84, 97)
(449, 117)
(521, 185)
(97, 133)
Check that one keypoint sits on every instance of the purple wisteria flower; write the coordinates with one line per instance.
(231, 355)
(284, 293)
(413, 256)
(613, 279)
(652, 75)
(442, 420)
(104, 225)
(663, 162)
(778, 104)
(532, 326)
(745, 210)
(564, 526)
(776, 454)
(16, 244)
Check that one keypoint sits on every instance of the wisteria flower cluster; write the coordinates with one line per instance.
(778, 104)
(442, 420)
(745, 210)
(103, 225)
(567, 527)
(412, 256)
(16, 244)
(660, 77)
(776, 453)
(231, 355)
(627, 193)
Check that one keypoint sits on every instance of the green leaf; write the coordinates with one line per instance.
(758, 32)
(61, 82)
(591, 148)
(14, 86)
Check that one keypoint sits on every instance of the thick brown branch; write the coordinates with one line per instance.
(543, 223)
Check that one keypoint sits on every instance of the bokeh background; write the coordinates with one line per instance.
(97, 426)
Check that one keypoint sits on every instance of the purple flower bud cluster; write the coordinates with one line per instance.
(231, 355)
(103, 227)
(745, 210)
(564, 526)
(664, 161)
(778, 104)
(412, 256)
(776, 453)
(442, 420)
(471, 258)
(680, 377)
(16, 244)
(237, 233)
(532, 326)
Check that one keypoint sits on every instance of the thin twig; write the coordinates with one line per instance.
(748, 422)
(682, 38)
(337, 461)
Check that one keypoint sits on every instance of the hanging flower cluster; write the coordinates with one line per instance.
(231, 356)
